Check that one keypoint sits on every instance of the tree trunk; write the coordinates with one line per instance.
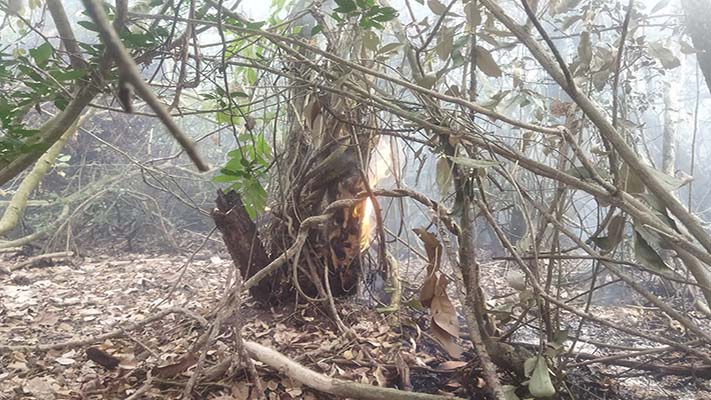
(671, 123)
(242, 240)
(698, 25)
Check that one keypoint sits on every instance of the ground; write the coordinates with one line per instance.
(70, 299)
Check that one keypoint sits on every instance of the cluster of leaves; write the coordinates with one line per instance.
(246, 169)
(31, 77)
(367, 12)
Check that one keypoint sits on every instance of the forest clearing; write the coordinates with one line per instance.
(355, 199)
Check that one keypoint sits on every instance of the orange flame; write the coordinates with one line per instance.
(380, 167)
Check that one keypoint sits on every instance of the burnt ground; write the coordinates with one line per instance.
(70, 299)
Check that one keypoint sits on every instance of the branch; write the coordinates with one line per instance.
(607, 130)
(66, 33)
(16, 207)
(130, 73)
(333, 386)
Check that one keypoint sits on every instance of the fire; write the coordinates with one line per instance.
(380, 167)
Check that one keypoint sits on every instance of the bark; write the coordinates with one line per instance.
(698, 25)
(671, 123)
(242, 240)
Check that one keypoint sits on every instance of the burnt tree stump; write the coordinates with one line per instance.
(241, 237)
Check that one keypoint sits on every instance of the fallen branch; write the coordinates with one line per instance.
(334, 386)
(34, 260)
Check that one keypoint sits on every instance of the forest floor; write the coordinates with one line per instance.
(70, 299)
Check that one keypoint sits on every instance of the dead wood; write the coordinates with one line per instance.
(35, 260)
(334, 386)
(240, 235)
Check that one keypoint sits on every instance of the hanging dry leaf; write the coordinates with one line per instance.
(427, 290)
(432, 246)
(486, 63)
(615, 230)
(443, 313)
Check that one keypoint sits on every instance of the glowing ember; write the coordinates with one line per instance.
(379, 168)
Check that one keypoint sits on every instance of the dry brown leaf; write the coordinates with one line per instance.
(452, 364)
(447, 342)
(443, 313)
(432, 246)
(427, 291)
(172, 370)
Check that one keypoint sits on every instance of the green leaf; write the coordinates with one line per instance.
(224, 178)
(345, 6)
(540, 384)
(67, 75)
(390, 47)
(42, 54)
(90, 26)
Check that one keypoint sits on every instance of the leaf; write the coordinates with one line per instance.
(486, 63)
(437, 7)
(445, 325)
(390, 47)
(443, 312)
(471, 10)
(665, 56)
(432, 246)
(345, 6)
(585, 49)
(473, 162)
(540, 384)
(428, 289)
(42, 54)
(647, 256)
(633, 184)
(427, 81)
(615, 231)
(509, 392)
(371, 40)
(444, 175)
(172, 370)
(445, 43)
(661, 4)
(670, 183)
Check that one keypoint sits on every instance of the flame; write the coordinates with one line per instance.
(379, 167)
